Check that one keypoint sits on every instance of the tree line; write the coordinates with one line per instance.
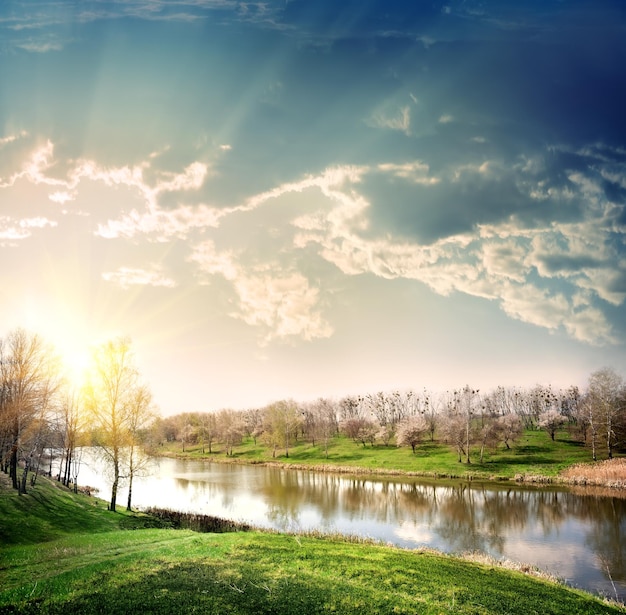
(467, 419)
(45, 417)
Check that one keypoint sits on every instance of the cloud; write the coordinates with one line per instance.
(34, 46)
(12, 138)
(416, 172)
(507, 262)
(281, 302)
(547, 247)
(398, 119)
(12, 231)
(130, 276)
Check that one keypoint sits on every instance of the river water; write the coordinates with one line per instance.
(579, 537)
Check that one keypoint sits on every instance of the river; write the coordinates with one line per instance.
(579, 537)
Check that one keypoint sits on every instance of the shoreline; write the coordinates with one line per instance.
(615, 485)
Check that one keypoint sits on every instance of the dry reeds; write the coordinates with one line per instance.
(608, 473)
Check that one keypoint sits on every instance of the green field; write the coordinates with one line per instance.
(533, 454)
(65, 553)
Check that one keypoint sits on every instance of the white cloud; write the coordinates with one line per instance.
(11, 138)
(130, 276)
(34, 46)
(398, 119)
(548, 274)
(61, 197)
(282, 303)
(161, 224)
(506, 259)
(12, 231)
(415, 172)
(446, 119)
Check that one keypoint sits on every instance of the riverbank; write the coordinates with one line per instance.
(63, 552)
(534, 460)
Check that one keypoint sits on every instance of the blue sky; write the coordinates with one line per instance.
(310, 198)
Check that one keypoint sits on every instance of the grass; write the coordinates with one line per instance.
(89, 560)
(533, 454)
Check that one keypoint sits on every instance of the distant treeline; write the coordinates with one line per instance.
(467, 419)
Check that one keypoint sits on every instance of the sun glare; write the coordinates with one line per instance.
(75, 362)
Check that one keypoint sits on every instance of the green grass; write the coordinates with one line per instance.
(533, 454)
(88, 560)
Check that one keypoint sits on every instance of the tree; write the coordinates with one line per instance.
(510, 428)
(367, 432)
(28, 382)
(230, 427)
(140, 415)
(464, 408)
(326, 427)
(605, 406)
(115, 399)
(551, 420)
(282, 421)
(71, 421)
(207, 430)
(489, 435)
(410, 431)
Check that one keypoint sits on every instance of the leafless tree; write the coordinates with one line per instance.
(605, 404)
(324, 412)
(28, 383)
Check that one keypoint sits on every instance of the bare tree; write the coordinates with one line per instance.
(70, 421)
(207, 430)
(605, 405)
(489, 435)
(326, 426)
(28, 382)
(465, 405)
(351, 407)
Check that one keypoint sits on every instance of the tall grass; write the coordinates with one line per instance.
(610, 473)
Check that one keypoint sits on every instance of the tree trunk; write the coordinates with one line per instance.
(130, 493)
(22, 489)
(113, 496)
(116, 481)
(13, 467)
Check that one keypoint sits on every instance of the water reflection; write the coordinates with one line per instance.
(577, 536)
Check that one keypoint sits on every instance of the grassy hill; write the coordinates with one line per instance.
(65, 553)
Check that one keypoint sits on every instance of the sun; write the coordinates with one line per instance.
(75, 363)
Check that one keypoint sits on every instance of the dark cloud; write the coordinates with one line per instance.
(568, 263)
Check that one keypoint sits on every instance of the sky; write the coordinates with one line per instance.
(305, 198)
